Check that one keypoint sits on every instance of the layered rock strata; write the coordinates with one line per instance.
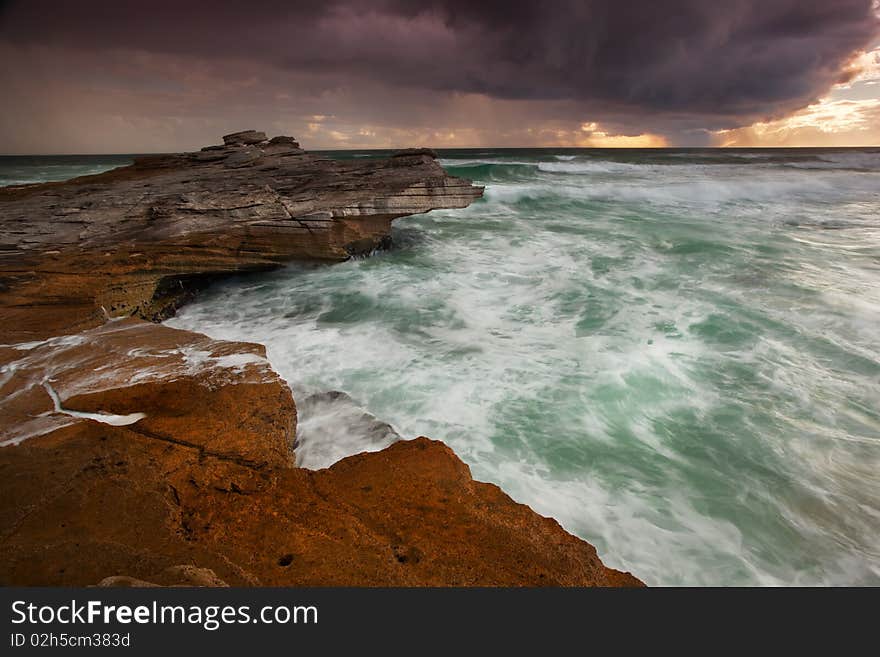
(132, 453)
(141, 239)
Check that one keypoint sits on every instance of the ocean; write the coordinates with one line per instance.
(674, 353)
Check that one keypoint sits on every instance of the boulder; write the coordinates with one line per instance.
(285, 140)
(245, 137)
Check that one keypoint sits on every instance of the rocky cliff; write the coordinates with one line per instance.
(139, 239)
(133, 452)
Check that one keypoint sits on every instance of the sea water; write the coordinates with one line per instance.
(24, 169)
(674, 353)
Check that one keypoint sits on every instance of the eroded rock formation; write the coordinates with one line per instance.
(135, 454)
(141, 239)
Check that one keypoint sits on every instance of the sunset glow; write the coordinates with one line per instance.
(114, 77)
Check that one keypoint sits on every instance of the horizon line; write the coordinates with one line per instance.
(474, 148)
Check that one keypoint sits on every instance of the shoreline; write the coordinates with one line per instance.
(208, 471)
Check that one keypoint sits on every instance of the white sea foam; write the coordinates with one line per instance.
(465, 162)
(34, 427)
(588, 166)
(112, 419)
(678, 363)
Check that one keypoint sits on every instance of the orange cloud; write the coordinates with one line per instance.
(825, 123)
(849, 115)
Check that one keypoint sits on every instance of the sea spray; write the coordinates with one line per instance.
(673, 353)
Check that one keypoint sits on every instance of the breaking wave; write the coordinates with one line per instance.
(673, 353)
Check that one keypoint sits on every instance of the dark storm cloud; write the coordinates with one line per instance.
(664, 65)
(732, 57)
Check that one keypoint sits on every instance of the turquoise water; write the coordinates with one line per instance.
(676, 354)
(22, 169)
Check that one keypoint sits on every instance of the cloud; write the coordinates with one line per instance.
(678, 69)
(828, 122)
(848, 115)
(866, 68)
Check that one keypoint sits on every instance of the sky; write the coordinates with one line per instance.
(107, 76)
